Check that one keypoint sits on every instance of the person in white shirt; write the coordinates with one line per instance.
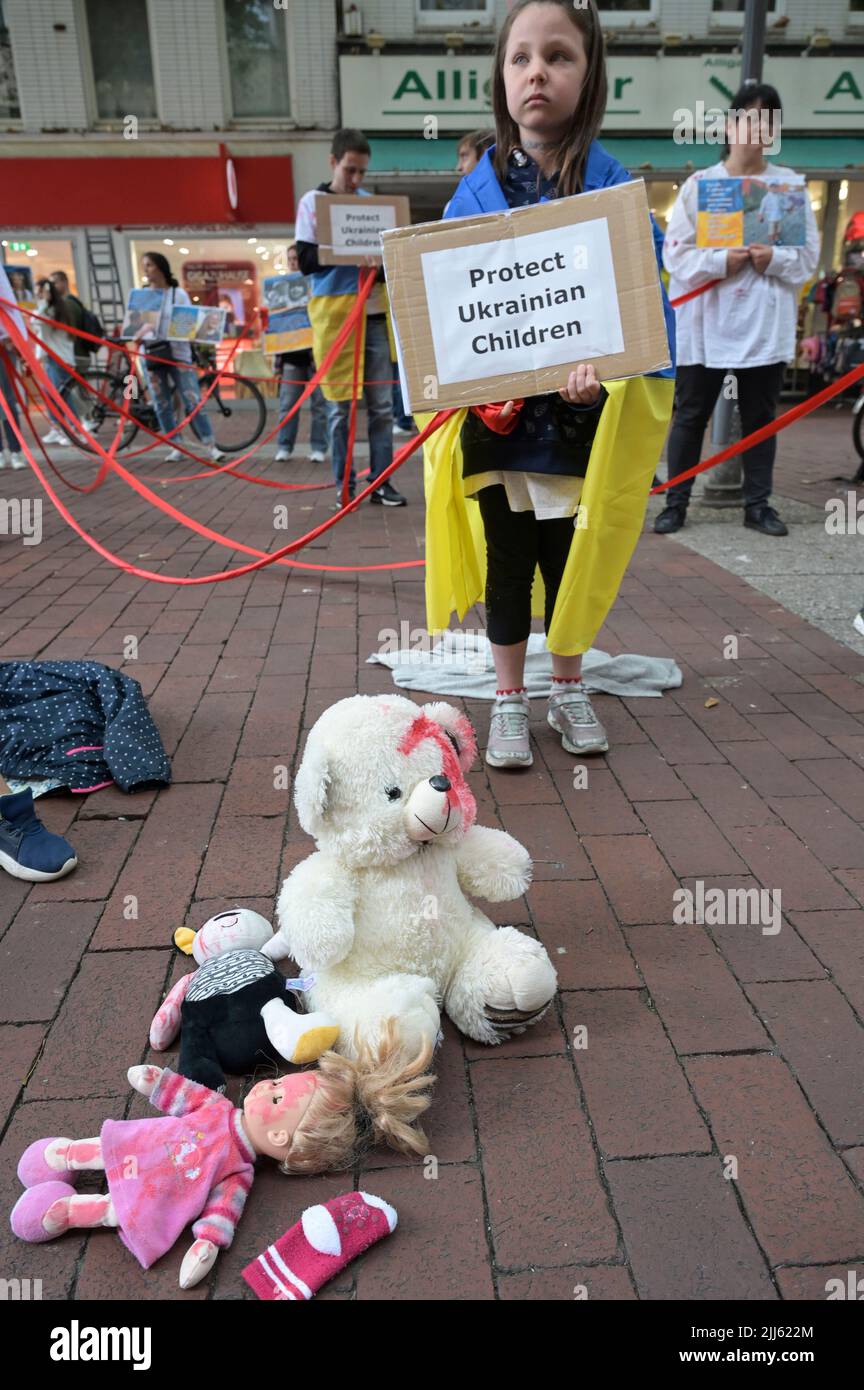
(179, 376)
(745, 326)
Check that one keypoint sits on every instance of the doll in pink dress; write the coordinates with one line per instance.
(195, 1163)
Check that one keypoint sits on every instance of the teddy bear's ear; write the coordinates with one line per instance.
(311, 787)
(458, 729)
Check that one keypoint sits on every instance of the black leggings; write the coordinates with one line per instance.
(516, 543)
(696, 392)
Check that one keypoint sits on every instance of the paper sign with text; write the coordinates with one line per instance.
(350, 227)
(505, 305)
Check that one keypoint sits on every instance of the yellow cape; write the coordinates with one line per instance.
(623, 461)
(327, 313)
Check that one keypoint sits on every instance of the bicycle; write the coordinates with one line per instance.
(236, 408)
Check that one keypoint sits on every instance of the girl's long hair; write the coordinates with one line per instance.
(572, 152)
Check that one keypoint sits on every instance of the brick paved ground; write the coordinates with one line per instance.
(600, 1167)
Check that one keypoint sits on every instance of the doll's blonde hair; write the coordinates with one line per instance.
(377, 1098)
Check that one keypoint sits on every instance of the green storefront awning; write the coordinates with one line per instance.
(413, 156)
(842, 153)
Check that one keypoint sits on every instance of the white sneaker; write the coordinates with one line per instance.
(216, 453)
(509, 744)
(17, 461)
(572, 715)
(54, 437)
(317, 457)
(398, 429)
(283, 455)
(857, 623)
(174, 456)
(4, 458)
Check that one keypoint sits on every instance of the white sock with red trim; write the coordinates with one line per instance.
(323, 1241)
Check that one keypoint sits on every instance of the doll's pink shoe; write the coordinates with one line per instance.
(33, 1169)
(29, 1211)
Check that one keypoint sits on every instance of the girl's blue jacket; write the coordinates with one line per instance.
(480, 191)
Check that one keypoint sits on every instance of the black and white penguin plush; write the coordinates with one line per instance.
(237, 1011)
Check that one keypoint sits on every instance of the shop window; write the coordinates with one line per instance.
(121, 59)
(731, 12)
(453, 14)
(257, 58)
(9, 108)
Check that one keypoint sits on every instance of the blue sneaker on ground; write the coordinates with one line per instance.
(27, 849)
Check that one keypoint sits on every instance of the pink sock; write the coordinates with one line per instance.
(323, 1241)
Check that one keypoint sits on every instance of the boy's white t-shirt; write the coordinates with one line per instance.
(306, 229)
(748, 320)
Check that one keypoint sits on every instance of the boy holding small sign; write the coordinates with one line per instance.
(333, 289)
(527, 461)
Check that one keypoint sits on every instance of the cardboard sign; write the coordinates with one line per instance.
(505, 304)
(734, 212)
(350, 225)
(288, 326)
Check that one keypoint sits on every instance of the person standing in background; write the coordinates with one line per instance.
(177, 373)
(76, 315)
(52, 306)
(294, 369)
(333, 289)
(743, 328)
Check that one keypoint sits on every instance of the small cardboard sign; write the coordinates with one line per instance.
(350, 225)
(504, 305)
(767, 211)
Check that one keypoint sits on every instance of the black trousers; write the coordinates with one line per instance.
(516, 543)
(696, 392)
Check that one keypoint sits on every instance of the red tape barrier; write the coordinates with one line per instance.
(109, 461)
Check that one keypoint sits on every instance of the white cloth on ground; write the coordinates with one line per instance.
(460, 663)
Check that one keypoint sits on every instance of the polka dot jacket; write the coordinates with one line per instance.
(80, 722)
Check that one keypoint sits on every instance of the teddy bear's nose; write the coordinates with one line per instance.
(440, 784)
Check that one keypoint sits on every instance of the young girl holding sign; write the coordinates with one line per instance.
(527, 462)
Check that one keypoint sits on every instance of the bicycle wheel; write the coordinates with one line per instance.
(237, 411)
(101, 415)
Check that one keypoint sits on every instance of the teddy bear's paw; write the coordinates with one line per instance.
(508, 1023)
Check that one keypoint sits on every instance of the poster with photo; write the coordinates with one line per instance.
(211, 325)
(735, 212)
(141, 317)
(21, 280)
(286, 298)
(196, 323)
(183, 323)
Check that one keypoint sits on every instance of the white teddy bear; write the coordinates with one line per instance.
(380, 913)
